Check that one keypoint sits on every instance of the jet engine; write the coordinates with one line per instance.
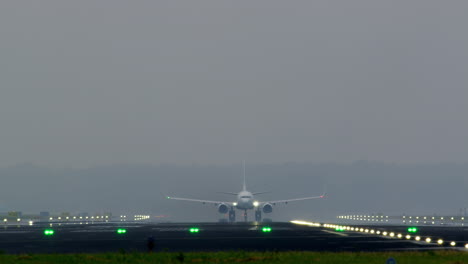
(267, 208)
(222, 208)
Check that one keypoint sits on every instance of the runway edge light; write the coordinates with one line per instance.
(121, 231)
(49, 232)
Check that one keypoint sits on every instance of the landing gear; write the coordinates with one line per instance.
(232, 215)
(258, 215)
(245, 215)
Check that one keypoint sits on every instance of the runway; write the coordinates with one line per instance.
(76, 238)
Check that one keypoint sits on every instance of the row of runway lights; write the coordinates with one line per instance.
(123, 231)
(30, 222)
(86, 218)
(380, 217)
(373, 218)
(341, 228)
(98, 217)
(18, 220)
(122, 218)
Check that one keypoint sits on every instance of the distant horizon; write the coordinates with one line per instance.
(33, 164)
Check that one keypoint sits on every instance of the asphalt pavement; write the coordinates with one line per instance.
(277, 236)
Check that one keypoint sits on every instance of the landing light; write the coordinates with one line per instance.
(255, 203)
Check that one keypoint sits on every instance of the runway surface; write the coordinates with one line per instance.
(71, 238)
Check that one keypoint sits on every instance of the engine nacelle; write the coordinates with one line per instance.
(222, 208)
(267, 208)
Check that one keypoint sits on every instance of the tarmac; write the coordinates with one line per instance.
(175, 237)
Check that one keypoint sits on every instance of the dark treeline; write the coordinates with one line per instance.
(360, 187)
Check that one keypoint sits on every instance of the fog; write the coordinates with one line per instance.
(360, 187)
(184, 91)
(213, 82)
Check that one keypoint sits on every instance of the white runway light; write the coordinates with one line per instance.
(298, 222)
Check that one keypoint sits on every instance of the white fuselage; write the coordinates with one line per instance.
(245, 200)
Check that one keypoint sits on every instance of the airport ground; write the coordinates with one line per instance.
(293, 257)
(201, 237)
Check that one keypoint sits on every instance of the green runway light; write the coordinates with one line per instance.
(49, 232)
(266, 229)
(340, 229)
(194, 230)
(121, 231)
(412, 229)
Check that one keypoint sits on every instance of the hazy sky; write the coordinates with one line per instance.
(214, 82)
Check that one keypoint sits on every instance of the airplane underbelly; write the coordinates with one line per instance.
(244, 205)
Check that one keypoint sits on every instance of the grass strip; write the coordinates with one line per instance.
(296, 257)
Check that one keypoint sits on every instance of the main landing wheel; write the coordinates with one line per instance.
(232, 216)
(258, 216)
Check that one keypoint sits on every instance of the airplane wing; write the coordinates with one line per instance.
(294, 200)
(197, 200)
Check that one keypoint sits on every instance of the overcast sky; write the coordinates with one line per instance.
(86, 83)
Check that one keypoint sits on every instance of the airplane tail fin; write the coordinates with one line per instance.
(324, 191)
(244, 186)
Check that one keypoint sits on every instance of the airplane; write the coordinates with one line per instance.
(245, 201)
